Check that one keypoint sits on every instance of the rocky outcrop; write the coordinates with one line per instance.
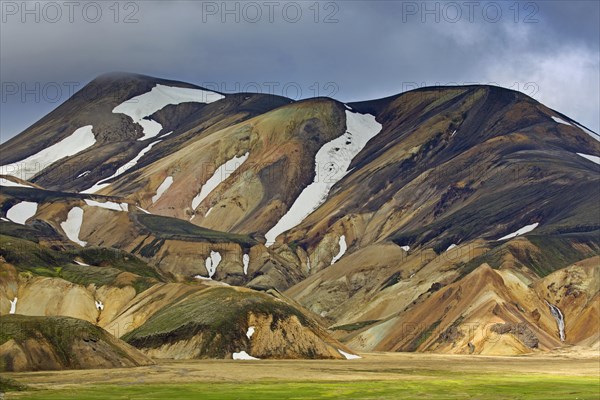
(521, 331)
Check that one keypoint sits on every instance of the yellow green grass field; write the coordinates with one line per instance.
(377, 376)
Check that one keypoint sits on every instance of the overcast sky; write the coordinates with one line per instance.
(350, 50)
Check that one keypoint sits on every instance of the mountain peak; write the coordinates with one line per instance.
(402, 209)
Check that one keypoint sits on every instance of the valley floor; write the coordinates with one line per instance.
(376, 376)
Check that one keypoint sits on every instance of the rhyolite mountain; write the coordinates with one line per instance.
(460, 219)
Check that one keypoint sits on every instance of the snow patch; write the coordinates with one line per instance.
(99, 305)
(109, 205)
(21, 212)
(203, 278)
(212, 262)
(142, 210)
(560, 121)
(96, 188)
(592, 134)
(453, 133)
(246, 262)
(242, 355)
(72, 225)
(164, 186)
(522, 231)
(121, 170)
(594, 159)
(81, 263)
(343, 248)
(250, 332)
(142, 106)
(13, 306)
(451, 247)
(405, 248)
(576, 125)
(4, 219)
(134, 160)
(349, 356)
(331, 165)
(78, 141)
(86, 173)
(219, 176)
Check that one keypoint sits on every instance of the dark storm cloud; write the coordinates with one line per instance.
(350, 50)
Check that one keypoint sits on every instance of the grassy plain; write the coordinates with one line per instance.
(376, 376)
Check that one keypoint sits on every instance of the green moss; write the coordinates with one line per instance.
(142, 284)
(293, 245)
(10, 385)
(21, 231)
(60, 332)
(419, 340)
(40, 195)
(115, 258)
(553, 252)
(560, 251)
(177, 229)
(565, 212)
(85, 275)
(151, 249)
(106, 264)
(354, 326)
(444, 96)
(30, 256)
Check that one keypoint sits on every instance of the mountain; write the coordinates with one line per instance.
(450, 219)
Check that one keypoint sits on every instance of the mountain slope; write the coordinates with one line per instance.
(107, 106)
(50, 343)
(223, 321)
(371, 214)
(449, 166)
(163, 320)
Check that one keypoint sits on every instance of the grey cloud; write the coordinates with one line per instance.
(376, 49)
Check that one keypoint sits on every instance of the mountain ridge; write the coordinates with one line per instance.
(409, 197)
